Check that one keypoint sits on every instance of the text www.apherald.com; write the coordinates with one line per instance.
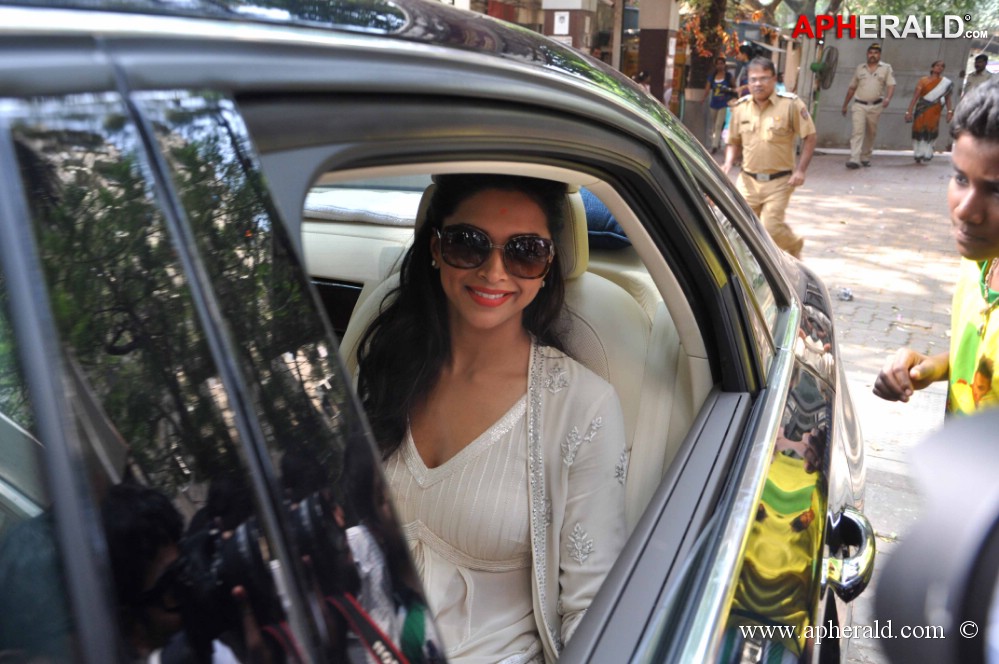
(879, 630)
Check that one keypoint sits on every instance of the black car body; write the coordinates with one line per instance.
(158, 322)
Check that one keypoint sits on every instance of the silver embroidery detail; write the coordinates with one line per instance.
(540, 505)
(580, 544)
(621, 469)
(572, 442)
(555, 381)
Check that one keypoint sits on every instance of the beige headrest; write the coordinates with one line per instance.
(573, 245)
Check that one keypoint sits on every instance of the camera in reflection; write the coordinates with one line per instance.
(213, 562)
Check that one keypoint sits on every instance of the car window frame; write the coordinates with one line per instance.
(763, 331)
(301, 605)
(655, 192)
(646, 194)
(715, 184)
(648, 190)
(86, 572)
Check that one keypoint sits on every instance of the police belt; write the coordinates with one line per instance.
(869, 103)
(766, 177)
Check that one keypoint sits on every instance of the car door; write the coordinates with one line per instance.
(686, 621)
(160, 336)
(809, 506)
(675, 540)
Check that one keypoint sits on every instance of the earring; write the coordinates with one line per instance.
(433, 263)
(542, 283)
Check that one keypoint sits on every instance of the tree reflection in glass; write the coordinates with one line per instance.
(152, 407)
(259, 283)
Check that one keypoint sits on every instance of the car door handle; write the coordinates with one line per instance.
(850, 576)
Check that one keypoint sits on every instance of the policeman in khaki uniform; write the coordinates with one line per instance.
(977, 77)
(763, 130)
(871, 89)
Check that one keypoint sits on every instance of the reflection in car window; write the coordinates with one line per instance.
(120, 298)
(763, 294)
(35, 622)
(167, 443)
(260, 286)
(14, 406)
(144, 377)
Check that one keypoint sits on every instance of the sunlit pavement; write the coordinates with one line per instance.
(883, 233)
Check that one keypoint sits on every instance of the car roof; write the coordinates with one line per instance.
(427, 22)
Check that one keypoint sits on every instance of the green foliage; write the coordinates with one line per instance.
(14, 402)
(123, 304)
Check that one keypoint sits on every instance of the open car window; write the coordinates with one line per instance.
(618, 322)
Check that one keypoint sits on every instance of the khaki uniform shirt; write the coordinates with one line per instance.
(871, 86)
(767, 135)
(974, 80)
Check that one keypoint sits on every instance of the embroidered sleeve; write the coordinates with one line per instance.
(621, 469)
(574, 440)
(580, 544)
(592, 530)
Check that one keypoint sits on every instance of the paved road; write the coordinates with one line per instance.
(883, 232)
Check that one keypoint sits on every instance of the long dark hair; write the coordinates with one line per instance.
(403, 351)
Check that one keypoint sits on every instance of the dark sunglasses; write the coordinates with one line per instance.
(524, 256)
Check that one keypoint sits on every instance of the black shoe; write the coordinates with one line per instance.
(852, 165)
(919, 160)
(865, 164)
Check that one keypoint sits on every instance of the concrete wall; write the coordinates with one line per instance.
(910, 59)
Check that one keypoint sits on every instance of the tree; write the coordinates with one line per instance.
(122, 300)
(706, 34)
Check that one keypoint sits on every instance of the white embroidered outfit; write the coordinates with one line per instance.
(536, 501)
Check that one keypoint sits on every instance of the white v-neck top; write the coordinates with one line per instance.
(467, 523)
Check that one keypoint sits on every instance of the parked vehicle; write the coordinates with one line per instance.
(202, 206)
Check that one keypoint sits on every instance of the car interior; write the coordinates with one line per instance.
(629, 321)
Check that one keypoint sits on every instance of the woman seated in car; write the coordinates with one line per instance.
(505, 457)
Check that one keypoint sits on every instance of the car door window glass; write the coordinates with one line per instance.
(764, 318)
(35, 621)
(296, 385)
(261, 289)
(160, 427)
(149, 400)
